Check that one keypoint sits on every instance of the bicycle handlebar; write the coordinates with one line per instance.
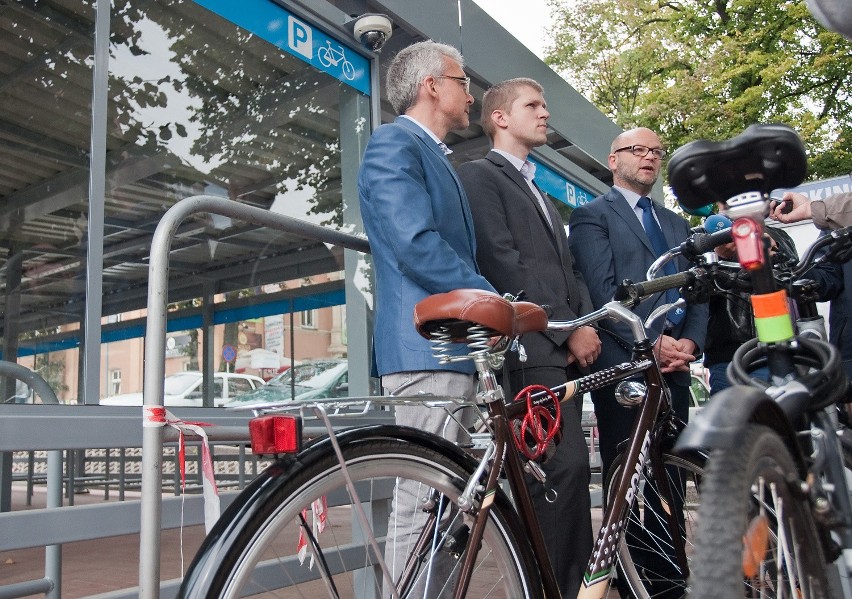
(631, 293)
(701, 243)
(696, 244)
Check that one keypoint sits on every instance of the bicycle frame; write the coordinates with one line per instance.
(645, 441)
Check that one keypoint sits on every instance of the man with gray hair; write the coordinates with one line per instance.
(417, 219)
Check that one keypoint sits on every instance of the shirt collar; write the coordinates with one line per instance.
(517, 162)
(631, 196)
(441, 144)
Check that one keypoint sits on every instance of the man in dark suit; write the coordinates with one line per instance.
(610, 241)
(417, 218)
(521, 245)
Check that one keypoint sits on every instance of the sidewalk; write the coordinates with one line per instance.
(98, 566)
(110, 564)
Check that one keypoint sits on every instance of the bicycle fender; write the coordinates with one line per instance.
(720, 425)
(378, 432)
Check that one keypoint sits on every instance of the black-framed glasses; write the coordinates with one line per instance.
(463, 80)
(642, 151)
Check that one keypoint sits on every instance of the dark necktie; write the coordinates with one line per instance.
(660, 245)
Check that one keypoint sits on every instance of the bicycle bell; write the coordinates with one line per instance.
(630, 393)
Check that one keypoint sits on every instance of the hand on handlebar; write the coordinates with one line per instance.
(675, 354)
(584, 346)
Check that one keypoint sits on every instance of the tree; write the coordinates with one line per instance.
(692, 70)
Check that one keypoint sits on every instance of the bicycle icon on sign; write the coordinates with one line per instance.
(328, 57)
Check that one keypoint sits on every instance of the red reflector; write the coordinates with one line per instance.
(275, 434)
(748, 238)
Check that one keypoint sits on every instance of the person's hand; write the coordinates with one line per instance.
(727, 251)
(675, 354)
(584, 346)
(782, 212)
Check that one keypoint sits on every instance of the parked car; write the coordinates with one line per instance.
(310, 380)
(184, 389)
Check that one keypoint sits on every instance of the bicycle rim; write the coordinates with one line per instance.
(757, 537)
(646, 562)
(258, 557)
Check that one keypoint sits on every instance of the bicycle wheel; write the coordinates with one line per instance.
(252, 550)
(752, 499)
(646, 562)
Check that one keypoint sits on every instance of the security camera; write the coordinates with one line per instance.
(372, 30)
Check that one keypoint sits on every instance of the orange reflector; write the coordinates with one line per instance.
(767, 305)
(755, 543)
(275, 434)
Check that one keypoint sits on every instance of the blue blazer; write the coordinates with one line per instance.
(417, 219)
(609, 245)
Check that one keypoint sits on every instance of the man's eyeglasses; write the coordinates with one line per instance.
(463, 80)
(642, 151)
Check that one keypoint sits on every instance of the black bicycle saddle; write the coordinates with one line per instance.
(761, 158)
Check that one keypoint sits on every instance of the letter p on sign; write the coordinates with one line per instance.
(299, 37)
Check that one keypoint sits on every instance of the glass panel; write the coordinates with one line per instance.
(196, 105)
(46, 57)
(200, 106)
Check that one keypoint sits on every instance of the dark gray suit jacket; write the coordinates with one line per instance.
(517, 250)
(610, 245)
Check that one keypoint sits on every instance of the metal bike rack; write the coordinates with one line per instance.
(155, 351)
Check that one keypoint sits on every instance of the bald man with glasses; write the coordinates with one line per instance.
(618, 236)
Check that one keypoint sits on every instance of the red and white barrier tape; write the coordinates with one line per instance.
(319, 507)
(155, 416)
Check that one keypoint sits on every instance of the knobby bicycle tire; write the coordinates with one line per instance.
(753, 498)
(646, 563)
(251, 550)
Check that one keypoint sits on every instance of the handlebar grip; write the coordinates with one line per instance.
(629, 290)
(704, 242)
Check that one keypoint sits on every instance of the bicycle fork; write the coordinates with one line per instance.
(643, 445)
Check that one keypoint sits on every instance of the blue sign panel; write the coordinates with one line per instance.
(271, 22)
(819, 190)
(559, 187)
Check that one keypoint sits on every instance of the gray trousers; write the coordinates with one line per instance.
(407, 517)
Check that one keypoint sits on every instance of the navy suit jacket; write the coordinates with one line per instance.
(835, 281)
(610, 245)
(518, 250)
(421, 236)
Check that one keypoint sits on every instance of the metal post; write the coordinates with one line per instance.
(53, 553)
(155, 353)
(91, 358)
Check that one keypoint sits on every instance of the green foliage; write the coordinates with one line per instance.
(693, 70)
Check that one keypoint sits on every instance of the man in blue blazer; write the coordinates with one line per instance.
(521, 245)
(418, 221)
(609, 243)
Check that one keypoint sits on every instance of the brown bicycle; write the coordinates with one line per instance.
(315, 522)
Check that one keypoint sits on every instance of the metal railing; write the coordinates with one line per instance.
(155, 351)
(55, 428)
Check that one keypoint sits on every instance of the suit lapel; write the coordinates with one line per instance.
(623, 209)
(431, 146)
(518, 179)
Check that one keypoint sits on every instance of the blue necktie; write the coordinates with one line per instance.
(660, 245)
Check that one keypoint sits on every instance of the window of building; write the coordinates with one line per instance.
(308, 319)
(197, 104)
(115, 381)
